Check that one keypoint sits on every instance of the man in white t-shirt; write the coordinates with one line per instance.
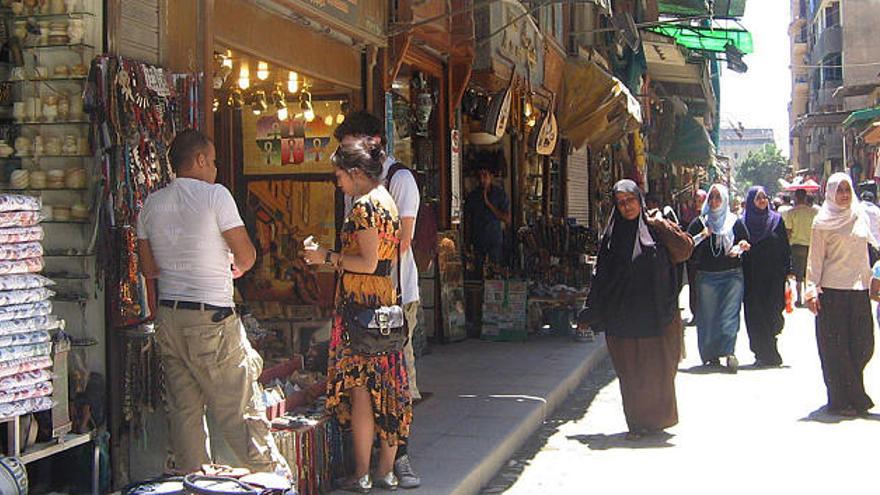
(405, 191)
(872, 211)
(192, 239)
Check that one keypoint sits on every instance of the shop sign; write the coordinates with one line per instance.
(361, 16)
(455, 169)
(520, 41)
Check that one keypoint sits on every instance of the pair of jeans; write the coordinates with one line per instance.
(720, 295)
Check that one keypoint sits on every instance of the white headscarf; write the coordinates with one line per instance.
(833, 216)
(720, 220)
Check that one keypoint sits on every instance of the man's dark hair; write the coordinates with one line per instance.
(651, 199)
(786, 198)
(800, 196)
(867, 196)
(361, 123)
(185, 147)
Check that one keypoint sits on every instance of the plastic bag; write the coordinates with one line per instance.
(28, 310)
(30, 265)
(24, 351)
(16, 366)
(19, 218)
(32, 391)
(19, 202)
(21, 234)
(25, 338)
(26, 406)
(24, 296)
(20, 250)
(24, 325)
(25, 379)
(24, 281)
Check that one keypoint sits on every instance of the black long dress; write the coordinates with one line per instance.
(765, 268)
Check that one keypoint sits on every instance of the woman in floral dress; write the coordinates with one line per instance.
(370, 393)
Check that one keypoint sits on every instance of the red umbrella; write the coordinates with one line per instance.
(809, 185)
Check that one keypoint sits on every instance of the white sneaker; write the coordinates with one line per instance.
(407, 478)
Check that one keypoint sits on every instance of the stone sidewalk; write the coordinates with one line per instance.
(489, 398)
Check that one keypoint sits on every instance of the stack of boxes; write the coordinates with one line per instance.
(504, 310)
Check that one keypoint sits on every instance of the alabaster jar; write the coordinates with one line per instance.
(38, 179)
(76, 31)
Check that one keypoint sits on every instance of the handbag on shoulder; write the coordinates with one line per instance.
(373, 331)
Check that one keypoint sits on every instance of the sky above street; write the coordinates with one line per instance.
(759, 98)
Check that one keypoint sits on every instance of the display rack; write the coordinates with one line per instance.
(33, 85)
(57, 445)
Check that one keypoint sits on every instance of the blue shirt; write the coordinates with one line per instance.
(485, 232)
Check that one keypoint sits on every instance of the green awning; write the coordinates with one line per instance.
(692, 145)
(723, 8)
(861, 117)
(707, 39)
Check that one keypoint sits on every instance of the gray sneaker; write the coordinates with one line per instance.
(405, 474)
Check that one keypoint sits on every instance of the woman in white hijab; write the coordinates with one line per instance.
(838, 279)
(720, 238)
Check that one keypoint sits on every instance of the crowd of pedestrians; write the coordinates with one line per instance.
(738, 265)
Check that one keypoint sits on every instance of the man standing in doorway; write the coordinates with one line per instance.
(799, 223)
(486, 212)
(405, 191)
(192, 239)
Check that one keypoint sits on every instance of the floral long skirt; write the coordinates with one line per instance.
(383, 376)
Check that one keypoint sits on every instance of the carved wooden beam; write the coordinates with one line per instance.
(399, 43)
(461, 56)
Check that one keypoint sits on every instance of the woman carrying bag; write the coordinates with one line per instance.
(635, 302)
(367, 384)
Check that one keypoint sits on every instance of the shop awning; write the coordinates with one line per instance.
(596, 108)
(861, 117)
(872, 134)
(692, 143)
(723, 8)
(706, 38)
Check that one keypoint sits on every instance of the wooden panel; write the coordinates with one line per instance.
(180, 51)
(282, 42)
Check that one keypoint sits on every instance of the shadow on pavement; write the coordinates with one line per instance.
(619, 441)
(572, 409)
(753, 367)
(702, 369)
(822, 415)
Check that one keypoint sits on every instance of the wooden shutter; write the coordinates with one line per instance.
(577, 201)
(137, 35)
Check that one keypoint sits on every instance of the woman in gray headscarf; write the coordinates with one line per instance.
(838, 279)
(634, 301)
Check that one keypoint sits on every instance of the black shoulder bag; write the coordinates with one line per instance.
(375, 331)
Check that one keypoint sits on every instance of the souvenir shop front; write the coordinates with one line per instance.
(508, 117)
(271, 97)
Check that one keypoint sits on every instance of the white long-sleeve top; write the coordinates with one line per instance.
(838, 259)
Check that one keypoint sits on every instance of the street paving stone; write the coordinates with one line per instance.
(759, 431)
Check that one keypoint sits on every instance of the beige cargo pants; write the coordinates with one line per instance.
(411, 312)
(211, 367)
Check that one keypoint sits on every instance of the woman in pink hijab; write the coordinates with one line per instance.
(838, 279)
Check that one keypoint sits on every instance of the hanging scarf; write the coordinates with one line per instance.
(613, 242)
(720, 221)
(761, 222)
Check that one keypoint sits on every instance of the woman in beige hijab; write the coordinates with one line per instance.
(838, 279)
